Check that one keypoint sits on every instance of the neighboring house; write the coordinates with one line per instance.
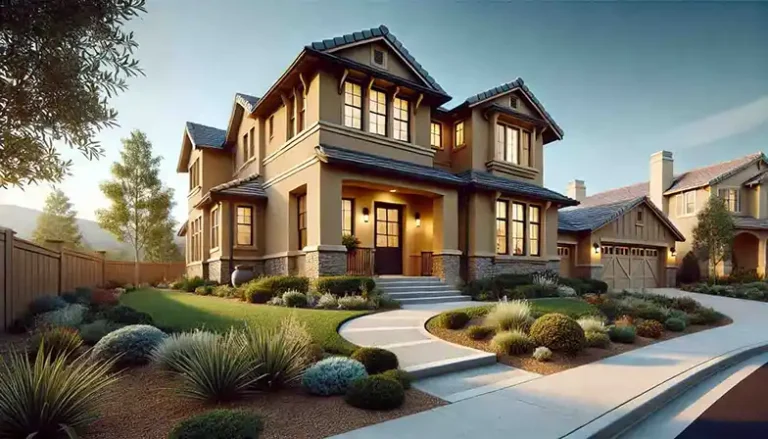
(741, 182)
(352, 139)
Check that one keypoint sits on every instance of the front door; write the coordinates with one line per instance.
(388, 219)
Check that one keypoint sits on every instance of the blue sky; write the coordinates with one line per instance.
(623, 80)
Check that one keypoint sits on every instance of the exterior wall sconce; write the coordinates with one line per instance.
(596, 246)
(418, 219)
(672, 251)
(365, 214)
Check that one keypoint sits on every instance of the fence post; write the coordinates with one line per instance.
(103, 254)
(8, 277)
(57, 245)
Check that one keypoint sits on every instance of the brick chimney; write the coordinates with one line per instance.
(661, 179)
(577, 190)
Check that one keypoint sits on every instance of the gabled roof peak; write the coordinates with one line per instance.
(203, 136)
(247, 101)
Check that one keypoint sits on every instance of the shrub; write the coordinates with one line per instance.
(705, 316)
(399, 375)
(276, 301)
(687, 304)
(72, 298)
(332, 376)
(513, 342)
(579, 285)
(224, 291)
(46, 304)
(219, 424)
(690, 270)
(610, 308)
(104, 298)
(179, 284)
(675, 324)
(49, 396)
(622, 334)
(168, 351)
(542, 353)
(452, 319)
(558, 332)
(134, 344)
(55, 342)
(536, 291)
(344, 285)
(191, 284)
(381, 300)
(592, 324)
(92, 332)
(566, 291)
(127, 316)
(506, 316)
(375, 393)
(476, 332)
(677, 314)
(376, 360)
(327, 301)
(204, 290)
(254, 292)
(69, 317)
(597, 339)
(294, 299)
(280, 284)
(350, 242)
(649, 329)
(596, 286)
(353, 303)
(495, 287)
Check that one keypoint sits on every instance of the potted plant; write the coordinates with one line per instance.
(350, 242)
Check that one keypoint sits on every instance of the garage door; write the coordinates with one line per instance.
(630, 267)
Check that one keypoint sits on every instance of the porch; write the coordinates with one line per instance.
(750, 253)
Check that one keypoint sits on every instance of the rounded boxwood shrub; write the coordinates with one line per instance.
(476, 332)
(513, 342)
(219, 424)
(253, 292)
(649, 329)
(597, 339)
(622, 334)
(127, 316)
(705, 316)
(685, 303)
(376, 360)
(675, 324)
(399, 375)
(133, 343)
(332, 376)
(452, 319)
(295, 299)
(204, 290)
(558, 332)
(375, 393)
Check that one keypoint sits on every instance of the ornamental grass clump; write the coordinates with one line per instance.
(592, 324)
(506, 316)
(513, 342)
(476, 332)
(558, 332)
(50, 397)
(327, 301)
(542, 354)
(332, 376)
(167, 353)
(55, 342)
(353, 303)
(294, 299)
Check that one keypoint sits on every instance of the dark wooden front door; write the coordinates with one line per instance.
(388, 232)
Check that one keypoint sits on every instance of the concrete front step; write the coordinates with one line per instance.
(416, 294)
(425, 287)
(434, 299)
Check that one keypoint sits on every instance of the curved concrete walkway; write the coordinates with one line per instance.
(584, 401)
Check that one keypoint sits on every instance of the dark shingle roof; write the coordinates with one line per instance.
(392, 166)
(248, 186)
(486, 180)
(378, 32)
(203, 136)
(748, 222)
(611, 196)
(247, 101)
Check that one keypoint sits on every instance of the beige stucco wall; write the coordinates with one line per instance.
(686, 223)
(363, 54)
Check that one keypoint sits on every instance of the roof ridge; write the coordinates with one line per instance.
(753, 155)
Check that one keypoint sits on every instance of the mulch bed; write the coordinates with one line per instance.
(144, 404)
(559, 361)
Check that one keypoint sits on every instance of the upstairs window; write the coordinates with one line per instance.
(194, 175)
(401, 130)
(301, 113)
(244, 225)
(251, 147)
(379, 58)
(458, 135)
(731, 198)
(271, 124)
(513, 101)
(436, 135)
(353, 105)
(525, 148)
(686, 203)
(246, 151)
(377, 110)
(502, 207)
(292, 118)
(518, 229)
(513, 145)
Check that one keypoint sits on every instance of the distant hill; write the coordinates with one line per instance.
(24, 220)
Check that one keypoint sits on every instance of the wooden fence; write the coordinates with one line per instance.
(29, 271)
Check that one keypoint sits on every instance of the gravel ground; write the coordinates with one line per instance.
(144, 405)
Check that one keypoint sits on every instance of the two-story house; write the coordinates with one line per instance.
(740, 182)
(353, 139)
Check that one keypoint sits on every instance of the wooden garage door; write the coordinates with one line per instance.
(630, 267)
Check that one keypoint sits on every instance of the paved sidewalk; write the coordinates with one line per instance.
(559, 405)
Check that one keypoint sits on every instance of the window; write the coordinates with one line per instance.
(292, 118)
(246, 151)
(507, 143)
(301, 112)
(387, 227)
(301, 204)
(379, 58)
(215, 227)
(731, 198)
(639, 216)
(686, 203)
(563, 251)
(353, 105)
(525, 148)
(377, 110)
(518, 229)
(251, 143)
(197, 241)
(194, 175)
(244, 225)
(347, 216)
(436, 135)
(271, 126)
(502, 207)
(402, 120)
(534, 230)
(458, 135)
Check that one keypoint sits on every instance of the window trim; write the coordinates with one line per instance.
(736, 199)
(215, 227)
(194, 175)
(252, 142)
(352, 105)
(456, 144)
(271, 124)
(238, 224)
(374, 92)
(439, 135)
(351, 215)
(538, 230)
(524, 222)
(682, 204)
(505, 220)
(395, 119)
(299, 214)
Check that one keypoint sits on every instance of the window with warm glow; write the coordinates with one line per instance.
(215, 227)
(401, 129)
(507, 143)
(347, 216)
(436, 135)
(244, 225)
(501, 227)
(731, 198)
(518, 229)
(458, 135)
(353, 105)
(534, 228)
(377, 111)
(301, 203)
(271, 124)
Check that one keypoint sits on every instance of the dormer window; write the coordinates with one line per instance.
(513, 145)
(379, 58)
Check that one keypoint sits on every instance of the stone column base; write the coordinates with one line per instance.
(325, 263)
(447, 268)
(479, 267)
(512, 266)
(276, 266)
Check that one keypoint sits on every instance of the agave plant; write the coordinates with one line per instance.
(51, 397)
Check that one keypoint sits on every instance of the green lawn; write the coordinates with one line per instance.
(184, 311)
(570, 307)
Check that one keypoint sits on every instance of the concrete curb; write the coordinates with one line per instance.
(441, 367)
(620, 419)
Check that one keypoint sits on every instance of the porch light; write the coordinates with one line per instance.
(365, 214)
(596, 246)
(393, 190)
(672, 251)
(418, 219)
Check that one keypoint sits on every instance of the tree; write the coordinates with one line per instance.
(162, 247)
(58, 221)
(60, 62)
(714, 233)
(140, 203)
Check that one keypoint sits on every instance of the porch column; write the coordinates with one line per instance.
(761, 257)
(446, 255)
(481, 235)
(324, 254)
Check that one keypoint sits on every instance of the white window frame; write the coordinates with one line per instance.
(681, 202)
